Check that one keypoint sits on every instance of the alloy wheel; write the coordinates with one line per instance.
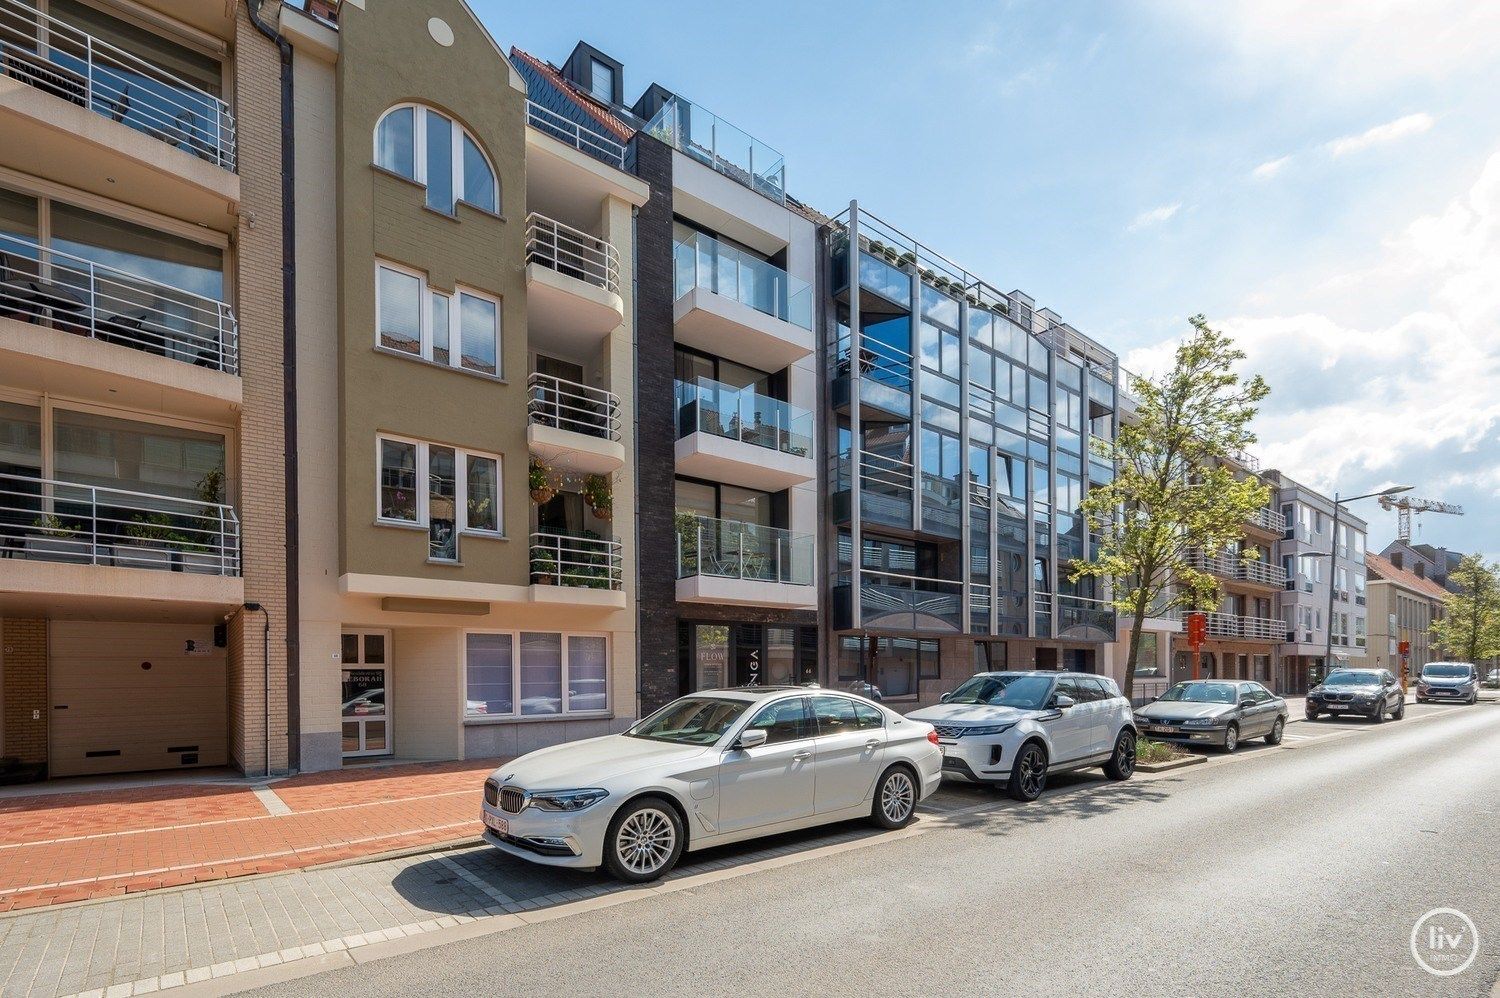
(1231, 739)
(897, 797)
(1125, 755)
(1033, 772)
(645, 841)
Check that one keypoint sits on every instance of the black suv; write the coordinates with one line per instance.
(1371, 693)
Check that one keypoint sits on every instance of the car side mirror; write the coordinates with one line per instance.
(945, 697)
(750, 738)
(1247, 702)
(1062, 701)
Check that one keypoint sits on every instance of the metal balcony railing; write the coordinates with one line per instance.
(580, 562)
(729, 549)
(743, 414)
(60, 59)
(889, 600)
(1080, 616)
(711, 140)
(1268, 519)
(46, 520)
(51, 288)
(575, 135)
(1231, 566)
(701, 261)
(572, 252)
(1230, 625)
(567, 405)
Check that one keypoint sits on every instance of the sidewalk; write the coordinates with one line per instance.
(77, 845)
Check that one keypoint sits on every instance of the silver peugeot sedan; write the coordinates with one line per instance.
(1217, 712)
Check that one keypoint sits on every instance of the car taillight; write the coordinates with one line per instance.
(932, 736)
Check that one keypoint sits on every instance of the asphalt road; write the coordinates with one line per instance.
(1291, 871)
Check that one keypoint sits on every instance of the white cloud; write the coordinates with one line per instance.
(1412, 398)
(1270, 168)
(1154, 216)
(1391, 131)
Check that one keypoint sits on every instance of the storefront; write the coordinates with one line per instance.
(716, 654)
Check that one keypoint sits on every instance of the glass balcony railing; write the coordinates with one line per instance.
(711, 140)
(51, 288)
(703, 262)
(1081, 617)
(729, 549)
(742, 414)
(60, 59)
(890, 601)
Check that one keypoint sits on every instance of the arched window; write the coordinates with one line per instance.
(432, 149)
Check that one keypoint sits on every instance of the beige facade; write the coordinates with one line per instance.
(1403, 607)
(143, 458)
(426, 632)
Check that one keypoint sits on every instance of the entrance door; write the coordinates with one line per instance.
(366, 720)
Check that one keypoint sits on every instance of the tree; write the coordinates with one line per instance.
(1172, 493)
(1470, 628)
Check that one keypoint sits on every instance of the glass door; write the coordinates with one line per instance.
(365, 720)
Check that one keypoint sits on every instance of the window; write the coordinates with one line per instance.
(1359, 632)
(835, 715)
(602, 80)
(784, 721)
(420, 484)
(868, 716)
(414, 319)
(535, 673)
(429, 148)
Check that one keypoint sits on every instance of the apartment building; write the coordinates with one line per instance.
(466, 429)
(143, 527)
(1320, 558)
(957, 420)
(1403, 606)
(1425, 561)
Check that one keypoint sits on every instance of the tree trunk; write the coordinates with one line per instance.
(1128, 686)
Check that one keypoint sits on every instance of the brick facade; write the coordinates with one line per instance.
(23, 646)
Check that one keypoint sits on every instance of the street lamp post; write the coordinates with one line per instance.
(1333, 562)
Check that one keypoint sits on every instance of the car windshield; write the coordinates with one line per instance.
(1201, 693)
(690, 721)
(1351, 678)
(1025, 692)
(1446, 671)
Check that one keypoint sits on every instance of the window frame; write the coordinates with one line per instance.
(515, 715)
(461, 486)
(456, 157)
(425, 321)
(809, 726)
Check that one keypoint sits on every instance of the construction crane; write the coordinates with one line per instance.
(1405, 506)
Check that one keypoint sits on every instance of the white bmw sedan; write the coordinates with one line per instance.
(709, 769)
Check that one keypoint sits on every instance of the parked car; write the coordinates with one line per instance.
(1014, 728)
(1493, 679)
(1217, 712)
(1448, 681)
(709, 769)
(1372, 693)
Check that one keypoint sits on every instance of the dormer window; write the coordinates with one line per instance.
(431, 149)
(602, 81)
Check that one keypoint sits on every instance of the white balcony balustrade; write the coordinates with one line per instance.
(573, 425)
(571, 133)
(576, 562)
(572, 252)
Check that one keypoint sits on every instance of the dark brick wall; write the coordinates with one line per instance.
(655, 429)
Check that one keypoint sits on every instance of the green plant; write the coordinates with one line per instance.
(1149, 751)
(543, 566)
(154, 527)
(51, 526)
(598, 493)
(538, 475)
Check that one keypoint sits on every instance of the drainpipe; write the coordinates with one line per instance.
(266, 653)
(635, 443)
(289, 402)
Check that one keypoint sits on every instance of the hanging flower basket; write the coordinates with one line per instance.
(599, 495)
(543, 495)
(540, 480)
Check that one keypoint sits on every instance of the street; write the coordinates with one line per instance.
(1278, 871)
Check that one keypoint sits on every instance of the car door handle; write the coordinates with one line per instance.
(802, 756)
(873, 743)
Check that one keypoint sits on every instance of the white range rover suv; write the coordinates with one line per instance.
(1016, 727)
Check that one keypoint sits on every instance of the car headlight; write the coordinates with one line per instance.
(990, 729)
(1200, 722)
(568, 800)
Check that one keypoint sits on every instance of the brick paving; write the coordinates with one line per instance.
(59, 848)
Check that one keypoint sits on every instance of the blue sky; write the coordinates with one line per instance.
(1322, 179)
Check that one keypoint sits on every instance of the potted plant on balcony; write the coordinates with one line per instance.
(543, 568)
(593, 572)
(206, 544)
(908, 259)
(152, 540)
(54, 540)
(539, 479)
(687, 543)
(599, 495)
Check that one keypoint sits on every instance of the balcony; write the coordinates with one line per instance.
(743, 564)
(572, 286)
(735, 435)
(1236, 569)
(891, 601)
(1235, 627)
(577, 571)
(696, 132)
(86, 541)
(56, 290)
(736, 306)
(885, 387)
(1266, 522)
(571, 133)
(1082, 619)
(573, 426)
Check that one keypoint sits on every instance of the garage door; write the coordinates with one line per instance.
(132, 697)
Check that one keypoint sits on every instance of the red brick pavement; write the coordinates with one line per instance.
(57, 848)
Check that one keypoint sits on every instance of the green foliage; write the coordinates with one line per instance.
(156, 527)
(1172, 493)
(1148, 751)
(50, 525)
(1470, 627)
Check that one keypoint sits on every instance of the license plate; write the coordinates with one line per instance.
(1335, 706)
(943, 749)
(496, 824)
(1163, 729)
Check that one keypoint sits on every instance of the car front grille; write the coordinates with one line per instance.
(949, 730)
(491, 793)
(1337, 697)
(512, 800)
